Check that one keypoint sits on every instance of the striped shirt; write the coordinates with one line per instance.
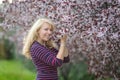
(45, 61)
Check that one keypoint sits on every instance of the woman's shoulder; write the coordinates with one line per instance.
(36, 44)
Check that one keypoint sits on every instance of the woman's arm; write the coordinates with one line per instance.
(61, 51)
(60, 54)
(66, 55)
(65, 52)
(45, 55)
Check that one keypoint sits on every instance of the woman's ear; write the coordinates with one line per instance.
(37, 30)
(37, 33)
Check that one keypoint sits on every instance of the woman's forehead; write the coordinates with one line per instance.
(47, 25)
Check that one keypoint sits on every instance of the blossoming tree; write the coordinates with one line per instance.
(93, 28)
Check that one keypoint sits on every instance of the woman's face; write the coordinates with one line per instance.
(45, 32)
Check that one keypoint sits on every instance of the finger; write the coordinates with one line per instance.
(65, 35)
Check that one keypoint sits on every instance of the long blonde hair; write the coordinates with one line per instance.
(33, 36)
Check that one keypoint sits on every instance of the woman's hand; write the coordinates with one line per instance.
(63, 39)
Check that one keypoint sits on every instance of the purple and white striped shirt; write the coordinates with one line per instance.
(45, 61)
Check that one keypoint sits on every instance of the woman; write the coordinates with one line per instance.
(42, 50)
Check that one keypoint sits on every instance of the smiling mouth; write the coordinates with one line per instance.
(48, 37)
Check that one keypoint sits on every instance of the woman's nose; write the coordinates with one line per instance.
(49, 31)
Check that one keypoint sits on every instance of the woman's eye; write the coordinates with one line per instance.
(51, 30)
(46, 29)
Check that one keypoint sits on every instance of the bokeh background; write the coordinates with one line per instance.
(92, 26)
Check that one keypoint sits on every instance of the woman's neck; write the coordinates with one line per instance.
(42, 42)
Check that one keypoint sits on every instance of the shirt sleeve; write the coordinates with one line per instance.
(66, 59)
(46, 56)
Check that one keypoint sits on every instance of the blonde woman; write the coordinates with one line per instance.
(42, 50)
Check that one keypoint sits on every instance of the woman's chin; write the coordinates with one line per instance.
(46, 39)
